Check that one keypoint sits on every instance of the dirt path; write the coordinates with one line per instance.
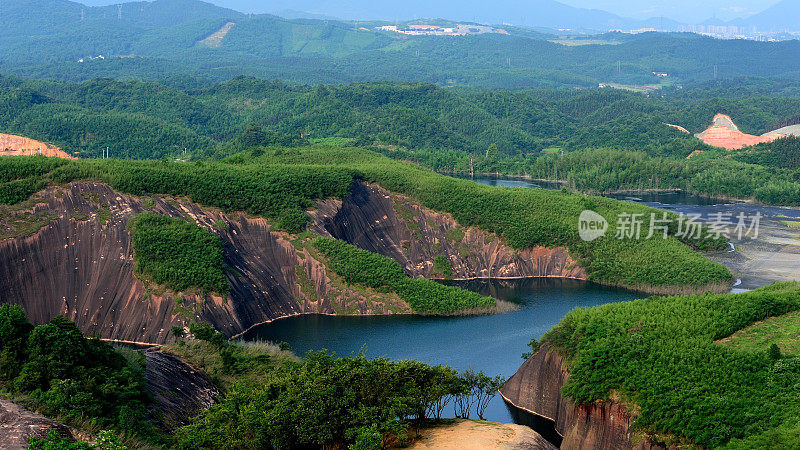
(479, 435)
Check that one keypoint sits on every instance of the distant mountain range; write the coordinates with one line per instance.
(548, 14)
(784, 16)
(42, 16)
(65, 40)
(534, 13)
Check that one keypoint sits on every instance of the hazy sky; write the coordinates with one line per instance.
(690, 11)
(682, 10)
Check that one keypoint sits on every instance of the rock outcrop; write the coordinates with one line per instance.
(536, 389)
(179, 391)
(11, 145)
(373, 219)
(80, 264)
(18, 426)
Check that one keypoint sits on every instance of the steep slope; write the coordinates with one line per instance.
(536, 389)
(179, 391)
(82, 262)
(74, 241)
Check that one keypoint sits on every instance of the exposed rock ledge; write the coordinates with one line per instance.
(536, 389)
(179, 391)
(18, 426)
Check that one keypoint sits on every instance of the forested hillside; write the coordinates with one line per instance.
(164, 38)
(280, 184)
(595, 140)
(440, 127)
(665, 359)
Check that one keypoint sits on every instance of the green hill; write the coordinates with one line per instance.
(46, 38)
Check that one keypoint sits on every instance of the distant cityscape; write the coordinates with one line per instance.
(736, 32)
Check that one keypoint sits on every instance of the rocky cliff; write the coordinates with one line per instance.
(179, 391)
(18, 426)
(398, 227)
(536, 389)
(67, 251)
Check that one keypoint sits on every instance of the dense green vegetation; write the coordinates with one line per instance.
(779, 335)
(83, 381)
(765, 173)
(529, 217)
(276, 401)
(660, 354)
(596, 140)
(288, 179)
(271, 399)
(383, 273)
(177, 254)
(164, 39)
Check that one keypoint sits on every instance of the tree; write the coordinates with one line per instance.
(485, 390)
(14, 332)
(774, 352)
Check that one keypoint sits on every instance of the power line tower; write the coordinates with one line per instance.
(83, 15)
(619, 67)
(119, 11)
(715, 71)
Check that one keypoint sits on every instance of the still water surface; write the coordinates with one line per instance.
(493, 343)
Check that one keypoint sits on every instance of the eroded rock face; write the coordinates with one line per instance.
(80, 262)
(18, 426)
(398, 227)
(80, 265)
(179, 391)
(536, 389)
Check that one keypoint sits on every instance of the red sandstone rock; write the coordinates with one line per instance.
(724, 133)
(536, 388)
(11, 145)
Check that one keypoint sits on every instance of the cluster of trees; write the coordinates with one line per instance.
(84, 381)
(269, 401)
(767, 173)
(660, 353)
(177, 254)
(383, 273)
(325, 401)
(444, 129)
